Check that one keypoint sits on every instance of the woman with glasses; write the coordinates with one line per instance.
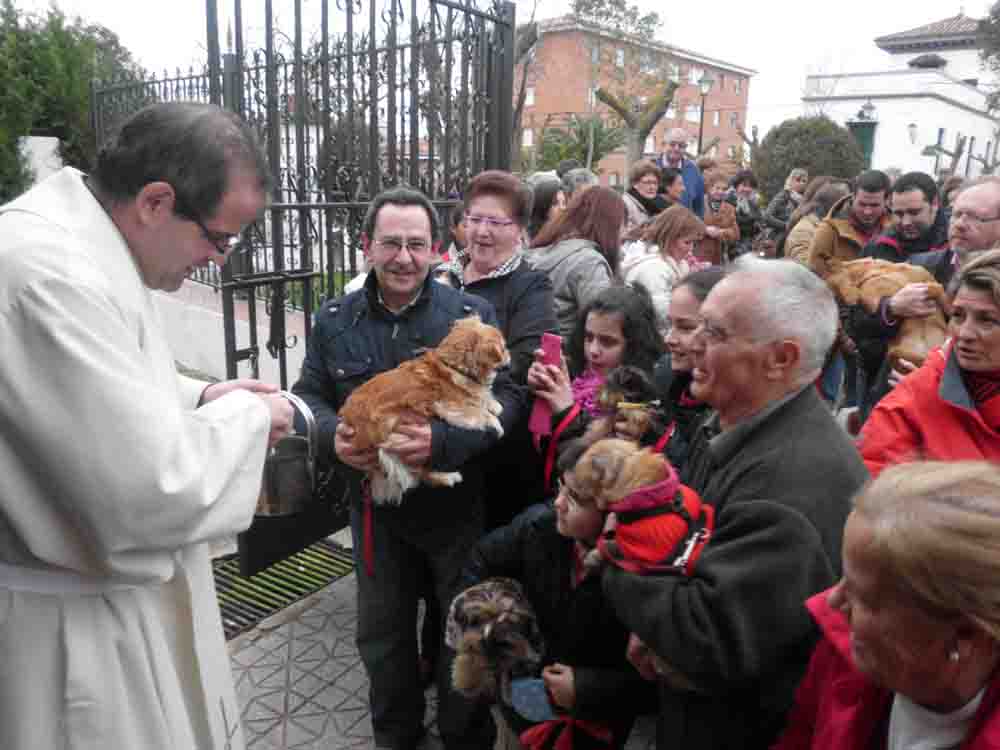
(642, 203)
(497, 210)
(580, 251)
(948, 409)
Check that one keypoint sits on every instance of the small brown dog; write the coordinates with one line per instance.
(494, 631)
(868, 280)
(451, 382)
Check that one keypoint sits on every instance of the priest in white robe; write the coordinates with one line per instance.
(116, 473)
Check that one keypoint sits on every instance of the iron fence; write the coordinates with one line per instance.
(414, 91)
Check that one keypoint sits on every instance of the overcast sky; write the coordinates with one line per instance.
(783, 40)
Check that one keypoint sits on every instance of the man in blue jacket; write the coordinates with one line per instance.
(399, 312)
(694, 184)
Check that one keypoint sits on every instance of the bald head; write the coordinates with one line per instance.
(675, 142)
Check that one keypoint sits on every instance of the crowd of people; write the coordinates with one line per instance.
(822, 585)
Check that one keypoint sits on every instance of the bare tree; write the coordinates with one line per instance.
(639, 120)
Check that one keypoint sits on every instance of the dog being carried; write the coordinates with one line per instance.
(451, 382)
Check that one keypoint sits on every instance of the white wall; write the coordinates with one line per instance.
(192, 317)
(42, 153)
(900, 98)
(962, 63)
(892, 139)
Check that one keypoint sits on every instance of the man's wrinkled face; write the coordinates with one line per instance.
(868, 208)
(975, 219)
(913, 214)
(729, 362)
(675, 149)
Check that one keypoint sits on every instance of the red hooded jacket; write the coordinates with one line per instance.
(931, 416)
(838, 708)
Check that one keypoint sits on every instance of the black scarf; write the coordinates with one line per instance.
(654, 206)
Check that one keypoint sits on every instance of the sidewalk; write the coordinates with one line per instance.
(302, 686)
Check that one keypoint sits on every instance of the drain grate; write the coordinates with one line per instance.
(246, 601)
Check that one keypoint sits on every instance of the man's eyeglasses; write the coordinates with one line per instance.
(713, 333)
(972, 218)
(392, 245)
(224, 242)
(488, 221)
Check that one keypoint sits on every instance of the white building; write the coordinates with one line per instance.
(910, 115)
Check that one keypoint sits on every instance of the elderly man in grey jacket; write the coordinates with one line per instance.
(780, 474)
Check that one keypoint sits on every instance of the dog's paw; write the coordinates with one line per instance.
(495, 425)
(495, 407)
(398, 479)
(443, 478)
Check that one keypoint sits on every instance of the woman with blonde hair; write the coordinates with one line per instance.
(949, 408)
(911, 634)
(664, 257)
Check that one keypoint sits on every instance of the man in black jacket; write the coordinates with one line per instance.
(973, 228)
(399, 312)
(919, 226)
(780, 473)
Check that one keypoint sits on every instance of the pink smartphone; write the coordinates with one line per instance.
(540, 422)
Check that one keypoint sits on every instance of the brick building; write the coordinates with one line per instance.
(572, 59)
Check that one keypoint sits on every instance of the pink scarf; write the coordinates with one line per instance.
(585, 389)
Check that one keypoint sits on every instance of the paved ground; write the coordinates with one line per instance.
(301, 683)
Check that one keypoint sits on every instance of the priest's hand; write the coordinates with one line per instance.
(282, 415)
(218, 390)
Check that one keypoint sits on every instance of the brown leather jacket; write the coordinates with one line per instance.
(836, 239)
(710, 250)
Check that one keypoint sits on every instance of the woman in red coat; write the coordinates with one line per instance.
(949, 409)
(910, 650)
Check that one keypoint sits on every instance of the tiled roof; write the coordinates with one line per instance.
(960, 25)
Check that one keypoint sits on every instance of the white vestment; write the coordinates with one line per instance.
(113, 484)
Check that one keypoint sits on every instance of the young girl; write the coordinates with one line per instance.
(664, 255)
(673, 372)
(586, 674)
(617, 327)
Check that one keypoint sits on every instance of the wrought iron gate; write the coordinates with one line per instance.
(385, 91)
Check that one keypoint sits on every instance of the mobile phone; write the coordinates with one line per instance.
(551, 348)
(540, 421)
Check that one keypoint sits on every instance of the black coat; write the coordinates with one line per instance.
(355, 338)
(579, 627)
(525, 310)
(674, 389)
(737, 626)
(523, 303)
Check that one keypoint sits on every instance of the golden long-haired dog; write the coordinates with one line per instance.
(451, 382)
(867, 281)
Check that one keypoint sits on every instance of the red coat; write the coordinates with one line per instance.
(930, 415)
(837, 708)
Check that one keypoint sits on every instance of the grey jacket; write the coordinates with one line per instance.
(578, 271)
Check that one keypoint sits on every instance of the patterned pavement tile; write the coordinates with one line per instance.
(303, 687)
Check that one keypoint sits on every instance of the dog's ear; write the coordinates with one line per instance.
(607, 467)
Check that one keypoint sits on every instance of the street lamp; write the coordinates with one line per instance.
(704, 86)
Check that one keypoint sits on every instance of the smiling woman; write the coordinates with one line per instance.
(949, 409)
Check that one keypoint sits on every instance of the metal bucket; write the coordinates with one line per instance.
(289, 480)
